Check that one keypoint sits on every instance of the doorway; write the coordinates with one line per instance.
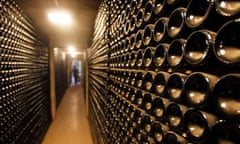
(76, 64)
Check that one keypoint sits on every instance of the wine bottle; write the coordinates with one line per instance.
(127, 11)
(228, 7)
(159, 7)
(126, 77)
(132, 42)
(165, 7)
(158, 110)
(140, 3)
(159, 31)
(138, 39)
(148, 12)
(127, 27)
(122, 46)
(174, 114)
(226, 94)
(139, 79)
(173, 138)
(131, 60)
(226, 45)
(225, 132)
(203, 14)
(138, 115)
(122, 18)
(159, 84)
(139, 98)
(133, 6)
(159, 57)
(175, 85)
(125, 60)
(176, 27)
(148, 80)
(133, 24)
(126, 108)
(140, 22)
(148, 57)
(148, 35)
(127, 2)
(133, 78)
(132, 95)
(199, 47)
(147, 124)
(198, 12)
(158, 132)
(147, 102)
(127, 44)
(139, 60)
(141, 136)
(198, 89)
(131, 112)
(198, 125)
(175, 53)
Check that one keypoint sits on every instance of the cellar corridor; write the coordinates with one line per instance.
(71, 125)
(119, 72)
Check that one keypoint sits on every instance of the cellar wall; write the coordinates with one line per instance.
(24, 74)
(165, 72)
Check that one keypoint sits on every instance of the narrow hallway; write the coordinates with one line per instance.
(71, 125)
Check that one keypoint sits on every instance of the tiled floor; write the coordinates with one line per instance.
(71, 125)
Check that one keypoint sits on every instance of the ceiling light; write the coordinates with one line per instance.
(60, 17)
(71, 48)
(73, 54)
(55, 50)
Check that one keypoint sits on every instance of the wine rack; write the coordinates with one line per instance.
(24, 61)
(162, 71)
(98, 75)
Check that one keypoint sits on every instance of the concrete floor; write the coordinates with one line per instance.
(71, 125)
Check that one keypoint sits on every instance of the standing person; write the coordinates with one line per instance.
(75, 74)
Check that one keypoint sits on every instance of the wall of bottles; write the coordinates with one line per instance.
(24, 100)
(98, 74)
(166, 71)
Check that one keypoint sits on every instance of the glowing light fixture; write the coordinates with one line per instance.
(72, 51)
(73, 54)
(60, 17)
(55, 49)
(71, 48)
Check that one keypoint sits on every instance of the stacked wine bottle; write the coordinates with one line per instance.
(98, 75)
(173, 72)
(24, 100)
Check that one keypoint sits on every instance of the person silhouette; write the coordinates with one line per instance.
(75, 74)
